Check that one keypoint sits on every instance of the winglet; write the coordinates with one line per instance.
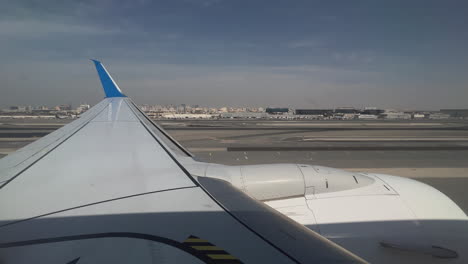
(111, 89)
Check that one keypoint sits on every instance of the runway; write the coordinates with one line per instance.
(433, 152)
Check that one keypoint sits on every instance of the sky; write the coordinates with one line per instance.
(285, 53)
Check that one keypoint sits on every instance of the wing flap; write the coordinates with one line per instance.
(294, 240)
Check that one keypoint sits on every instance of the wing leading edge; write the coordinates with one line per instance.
(112, 184)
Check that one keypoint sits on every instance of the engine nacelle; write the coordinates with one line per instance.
(281, 181)
(383, 218)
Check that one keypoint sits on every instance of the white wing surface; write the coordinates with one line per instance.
(109, 188)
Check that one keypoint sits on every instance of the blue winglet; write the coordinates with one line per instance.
(111, 89)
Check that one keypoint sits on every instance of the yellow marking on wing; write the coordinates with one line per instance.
(195, 240)
(206, 248)
(221, 256)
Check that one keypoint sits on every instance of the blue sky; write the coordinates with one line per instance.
(394, 54)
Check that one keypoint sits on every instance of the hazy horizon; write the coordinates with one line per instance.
(75, 105)
(301, 54)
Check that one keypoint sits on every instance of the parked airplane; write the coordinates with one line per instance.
(114, 187)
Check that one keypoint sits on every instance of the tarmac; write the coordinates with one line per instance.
(434, 152)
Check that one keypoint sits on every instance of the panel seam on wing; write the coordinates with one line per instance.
(99, 202)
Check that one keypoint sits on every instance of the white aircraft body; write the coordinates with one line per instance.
(113, 187)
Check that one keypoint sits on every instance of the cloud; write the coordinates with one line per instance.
(239, 85)
(249, 52)
(204, 3)
(39, 28)
(174, 83)
(354, 57)
(308, 43)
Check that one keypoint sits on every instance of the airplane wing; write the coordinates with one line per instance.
(110, 188)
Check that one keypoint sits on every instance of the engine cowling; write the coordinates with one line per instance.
(280, 181)
(383, 218)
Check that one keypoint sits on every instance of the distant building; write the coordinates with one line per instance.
(186, 116)
(277, 111)
(419, 116)
(145, 107)
(243, 115)
(64, 107)
(183, 108)
(311, 117)
(42, 112)
(455, 113)
(397, 115)
(82, 108)
(439, 116)
(346, 110)
(322, 112)
(349, 116)
(223, 110)
(16, 108)
(372, 111)
(368, 117)
(213, 110)
(197, 110)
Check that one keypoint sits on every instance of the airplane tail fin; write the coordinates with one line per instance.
(111, 89)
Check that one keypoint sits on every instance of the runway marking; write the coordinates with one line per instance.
(6, 151)
(406, 147)
(207, 149)
(13, 139)
(383, 138)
